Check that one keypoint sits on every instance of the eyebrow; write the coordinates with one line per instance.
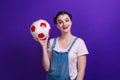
(67, 18)
(61, 20)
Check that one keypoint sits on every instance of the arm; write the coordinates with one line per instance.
(46, 55)
(81, 67)
(46, 58)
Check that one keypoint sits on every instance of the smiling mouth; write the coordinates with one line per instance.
(65, 27)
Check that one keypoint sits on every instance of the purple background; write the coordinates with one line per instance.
(96, 21)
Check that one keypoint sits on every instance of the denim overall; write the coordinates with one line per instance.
(59, 69)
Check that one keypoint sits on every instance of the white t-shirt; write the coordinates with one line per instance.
(78, 49)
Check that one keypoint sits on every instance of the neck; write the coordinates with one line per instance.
(66, 36)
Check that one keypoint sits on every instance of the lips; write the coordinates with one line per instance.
(65, 27)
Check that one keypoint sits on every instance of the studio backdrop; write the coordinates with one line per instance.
(95, 21)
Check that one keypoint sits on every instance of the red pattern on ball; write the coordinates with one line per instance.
(43, 25)
(41, 35)
(33, 28)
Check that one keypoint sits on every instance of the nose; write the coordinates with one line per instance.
(64, 23)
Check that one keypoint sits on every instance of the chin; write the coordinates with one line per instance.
(66, 31)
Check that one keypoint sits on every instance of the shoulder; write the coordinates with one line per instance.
(79, 40)
(51, 40)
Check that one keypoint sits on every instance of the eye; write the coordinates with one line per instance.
(67, 20)
(59, 22)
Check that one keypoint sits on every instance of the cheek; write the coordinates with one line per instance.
(70, 23)
(58, 26)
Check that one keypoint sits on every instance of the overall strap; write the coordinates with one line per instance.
(72, 44)
(54, 43)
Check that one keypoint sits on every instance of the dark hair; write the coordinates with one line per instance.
(61, 13)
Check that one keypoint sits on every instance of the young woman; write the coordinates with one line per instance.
(64, 57)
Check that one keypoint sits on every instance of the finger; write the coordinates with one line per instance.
(47, 38)
(35, 38)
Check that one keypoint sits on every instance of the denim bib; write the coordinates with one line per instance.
(59, 69)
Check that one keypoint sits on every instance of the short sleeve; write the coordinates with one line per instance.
(49, 46)
(82, 49)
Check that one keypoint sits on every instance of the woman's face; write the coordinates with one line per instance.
(64, 23)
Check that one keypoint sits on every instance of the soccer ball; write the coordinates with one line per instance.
(40, 29)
